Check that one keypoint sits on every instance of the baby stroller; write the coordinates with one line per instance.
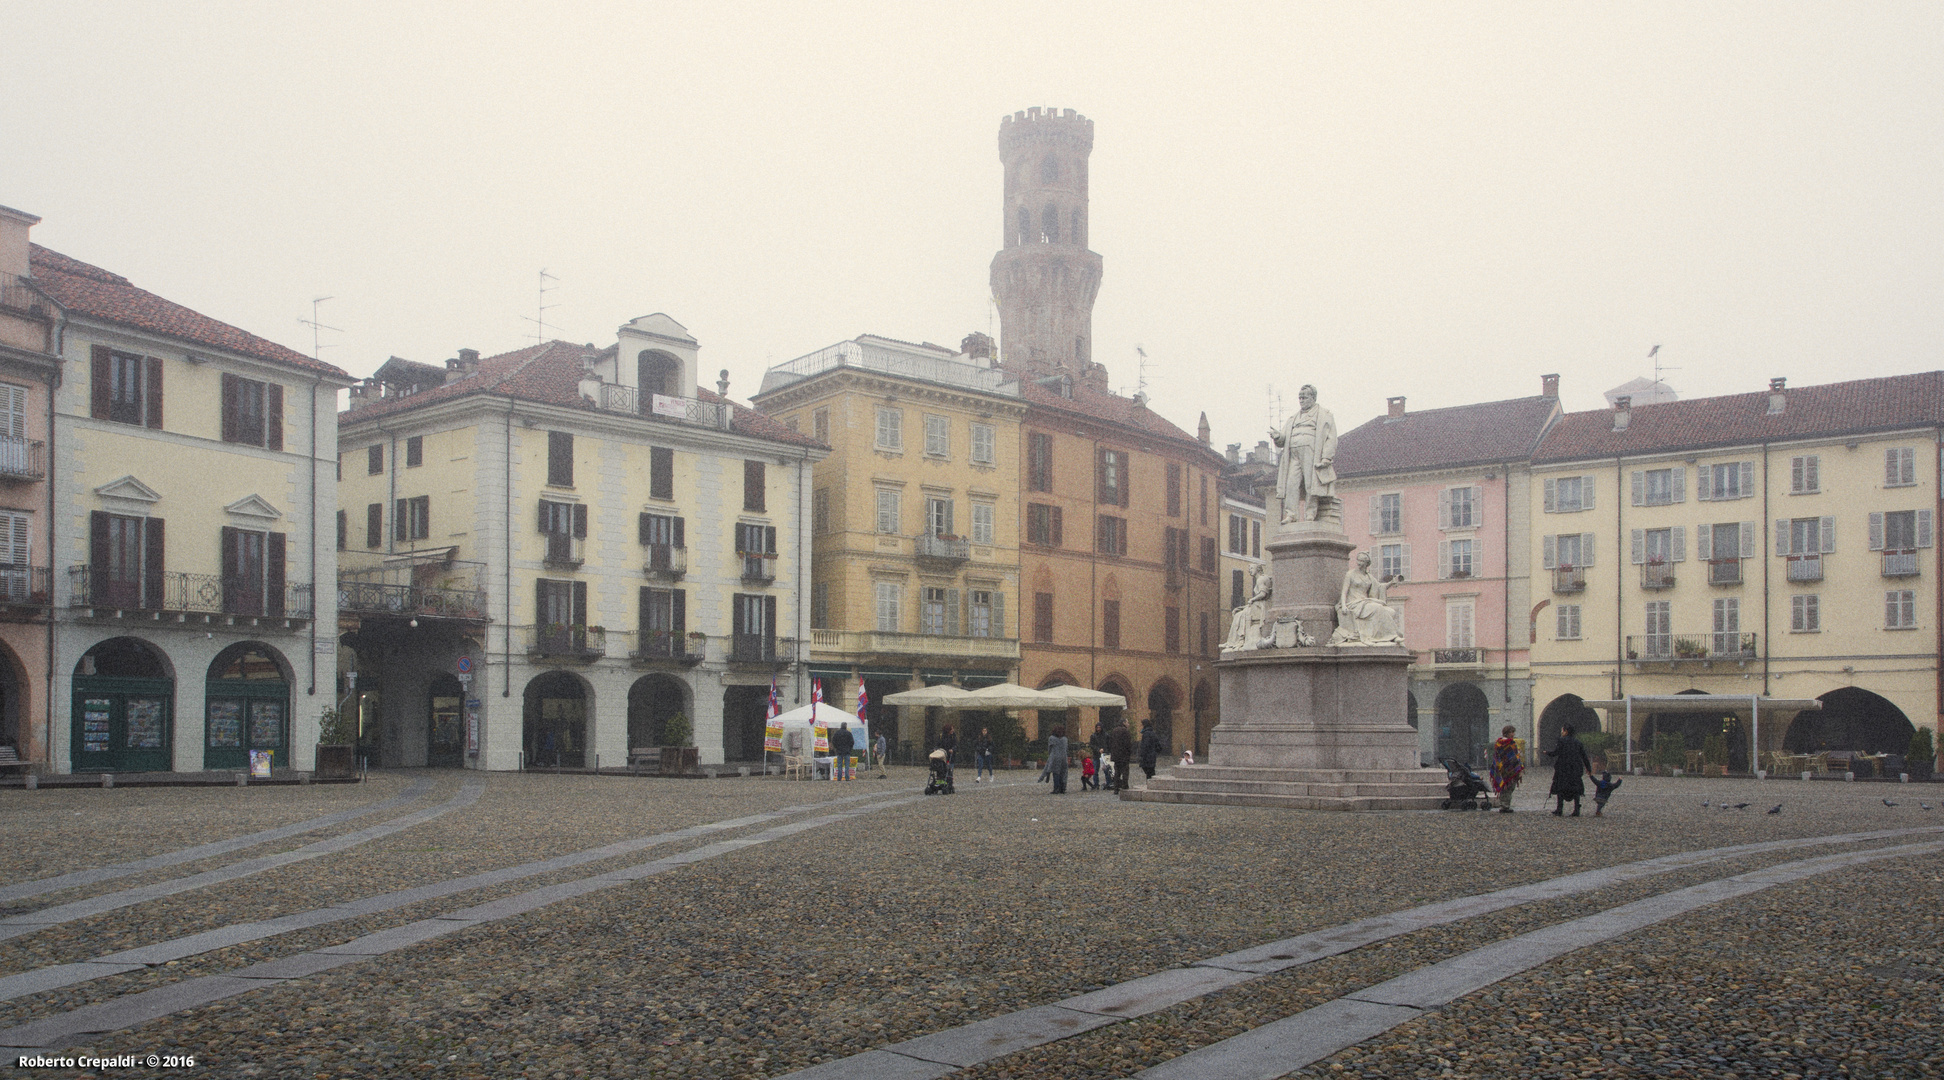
(1464, 789)
(940, 781)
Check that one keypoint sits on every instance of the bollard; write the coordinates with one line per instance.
(1849, 775)
(33, 781)
(1806, 776)
(1903, 778)
(1761, 774)
(107, 779)
(742, 770)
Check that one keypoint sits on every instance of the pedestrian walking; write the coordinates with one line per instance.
(1603, 788)
(948, 742)
(982, 755)
(1089, 772)
(1507, 767)
(842, 742)
(1056, 758)
(1570, 769)
(883, 746)
(1150, 749)
(1120, 746)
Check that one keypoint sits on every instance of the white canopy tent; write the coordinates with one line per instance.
(1749, 705)
(798, 719)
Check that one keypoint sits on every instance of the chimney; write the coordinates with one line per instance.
(1201, 429)
(976, 346)
(14, 258)
(1396, 407)
(466, 364)
(1778, 401)
(1549, 386)
(1235, 453)
(1622, 411)
(364, 393)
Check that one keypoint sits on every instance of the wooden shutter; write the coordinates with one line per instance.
(1678, 484)
(229, 559)
(769, 620)
(769, 539)
(1550, 559)
(1376, 520)
(1678, 535)
(1747, 479)
(1126, 478)
(679, 541)
(644, 638)
(375, 525)
(1056, 525)
(641, 531)
(580, 603)
(100, 383)
(753, 494)
(1747, 539)
(152, 391)
(678, 616)
(540, 603)
(952, 624)
(273, 417)
(1639, 487)
(580, 521)
(273, 565)
(546, 516)
(999, 614)
(1703, 484)
(401, 518)
(1639, 546)
(560, 458)
(661, 473)
(1828, 531)
(1876, 531)
(1781, 536)
(98, 548)
(1586, 492)
(1444, 508)
(1586, 549)
(1444, 558)
(1551, 496)
(153, 563)
(738, 618)
(344, 530)
(232, 390)
(1923, 528)
(1404, 561)
(1704, 542)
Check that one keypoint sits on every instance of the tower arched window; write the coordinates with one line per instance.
(1050, 224)
(1049, 170)
(1023, 225)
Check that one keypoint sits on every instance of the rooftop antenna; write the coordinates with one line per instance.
(317, 346)
(1275, 408)
(541, 307)
(1654, 355)
(1140, 369)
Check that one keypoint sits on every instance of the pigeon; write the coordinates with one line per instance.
(1741, 806)
(1705, 804)
(1776, 809)
(1887, 802)
(1923, 806)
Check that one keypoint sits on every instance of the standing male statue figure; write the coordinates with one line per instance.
(1306, 475)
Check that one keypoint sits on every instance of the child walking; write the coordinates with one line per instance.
(1507, 768)
(1603, 789)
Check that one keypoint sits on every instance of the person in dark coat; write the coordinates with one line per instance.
(1056, 758)
(948, 742)
(1150, 749)
(1570, 768)
(1120, 747)
(842, 742)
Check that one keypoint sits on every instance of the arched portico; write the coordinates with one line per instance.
(123, 708)
(554, 717)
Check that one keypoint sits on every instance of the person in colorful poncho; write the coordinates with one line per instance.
(1507, 768)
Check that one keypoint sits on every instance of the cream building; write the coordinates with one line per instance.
(1779, 543)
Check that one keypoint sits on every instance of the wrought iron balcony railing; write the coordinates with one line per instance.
(1656, 575)
(1900, 564)
(1725, 571)
(171, 591)
(1454, 656)
(630, 399)
(1569, 579)
(758, 568)
(447, 589)
(933, 546)
(670, 645)
(567, 641)
(665, 561)
(21, 459)
(17, 295)
(22, 585)
(1805, 568)
(1732, 645)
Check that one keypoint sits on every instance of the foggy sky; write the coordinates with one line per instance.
(1380, 198)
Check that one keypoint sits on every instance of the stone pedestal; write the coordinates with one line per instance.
(1317, 727)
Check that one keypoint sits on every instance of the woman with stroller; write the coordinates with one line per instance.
(1570, 768)
(1507, 768)
(948, 742)
(1056, 758)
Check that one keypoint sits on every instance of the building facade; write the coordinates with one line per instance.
(30, 371)
(1777, 543)
(1440, 500)
(551, 553)
(913, 519)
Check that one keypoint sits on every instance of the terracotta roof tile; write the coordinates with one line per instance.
(1855, 407)
(1481, 434)
(1111, 408)
(95, 293)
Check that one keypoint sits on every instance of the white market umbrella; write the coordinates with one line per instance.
(1009, 696)
(943, 695)
(1080, 696)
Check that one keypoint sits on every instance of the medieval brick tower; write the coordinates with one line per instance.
(1044, 278)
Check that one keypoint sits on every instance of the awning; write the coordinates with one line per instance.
(1737, 704)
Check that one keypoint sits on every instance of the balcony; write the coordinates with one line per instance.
(1805, 568)
(202, 594)
(564, 552)
(17, 295)
(25, 590)
(666, 562)
(1569, 579)
(758, 567)
(20, 459)
(1454, 656)
(1656, 575)
(1899, 564)
(1730, 646)
(879, 643)
(568, 642)
(669, 647)
(441, 589)
(761, 649)
(628, 399)
(1725, 571)
(946, 549)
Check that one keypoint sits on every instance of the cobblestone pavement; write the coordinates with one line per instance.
(922, 915)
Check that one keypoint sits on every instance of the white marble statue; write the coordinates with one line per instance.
(1306, 472)
(1245, 629)
(1364, 616)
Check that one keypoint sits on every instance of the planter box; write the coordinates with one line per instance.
(336, 761)
(678, 760)
(1717, 770)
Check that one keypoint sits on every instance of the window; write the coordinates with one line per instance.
(890, 429)
(1805, 536)
(1727, 626)
(415, 451)
(1111, 473)
(1110, 624)
(126, 389)
(1043, 616)
(1039, 462)
(888, 511)
(375, 525)
(938, 436)
(888, 607)
(663, 535)
(560, 458)
(1174, 489)
(754, 493)
(938, 516)
(1457, 560)
(252, 412)
(1659, 487)
(16, 556)
(344, 530)
(1255, 539)
(1660, 633)
(562, 524)
(664, 620)
(253, 572)
(1110, 537)
(753, 627)
(1899, 467)
(1567, 618)
(374, 459)
(1900, 609)
(1043, 525)
(820, 605)
(1732, 480)
(124, 561)
(940, 614)
(987, 613)
(1660, 547)
(820, 511)
(1209, 557)
(1723, 546)
(756, 547)
(984, 440)
(1459, 619)
(1386, 514)
(982, 515)
(413, 518)
(1568, 494)
(1393, 562)
(1805, 475)
(1204, 506)
(1900, 534)
(1238, 589)
(661, 473)
(560, 610)
(1568, 551)
(1805, 614)
(1238, 534)
(1458, 508)
(820, 425)
(1203, 631)
(1171, 629)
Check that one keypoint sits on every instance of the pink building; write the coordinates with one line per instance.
(28, 371)
(1440, 500)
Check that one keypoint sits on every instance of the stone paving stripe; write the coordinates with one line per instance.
(876, 1065)
(1281, 1047)
(59, 975)
(296, 967)
(98, 905)
(1281, 955)
(57, 1030)
(43, 886)
(1155, 992)
(1002, 1035)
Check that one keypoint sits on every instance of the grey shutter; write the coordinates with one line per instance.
(1748, 539)
(1376, 517)
(1639, 546)
(1890, 470)
(1781, 536)
(999, 614)
(1639, 487)
(1679, 484)
(1550, 546)
(1704, 542)
(1798, 474)
(952, 624)
(1586, 492)
(1828, 531)
(1747, 479)
(1404, 561)
(1679, 535)
(1444, 559)
(1812, 472)
(1551, 496)
(1876, 531)
(1923, 528)
(1586, 549)
(1703, 484)
(1444, 508)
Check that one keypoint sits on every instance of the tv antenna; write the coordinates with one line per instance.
(1140, 368)
(541, 307)
(318, 346)
(1275, 408)
(1654, 355)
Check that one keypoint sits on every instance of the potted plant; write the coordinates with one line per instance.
(1714, 755)
(1690, 649)
(1921, 761)
(678, 758)
(1669, 752)
(336, 746)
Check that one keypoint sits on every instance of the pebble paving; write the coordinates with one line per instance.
(924, 916)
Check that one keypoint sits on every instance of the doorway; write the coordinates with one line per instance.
(124, 709)
(445, 739)
(246, 708)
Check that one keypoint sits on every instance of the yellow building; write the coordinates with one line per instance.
(190, 525)
(551, 553)
(914, 517)
(1778, 544)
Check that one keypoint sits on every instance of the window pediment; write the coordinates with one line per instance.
(253, 506)
(129, 488)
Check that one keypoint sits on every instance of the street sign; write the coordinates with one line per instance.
(465, 665)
